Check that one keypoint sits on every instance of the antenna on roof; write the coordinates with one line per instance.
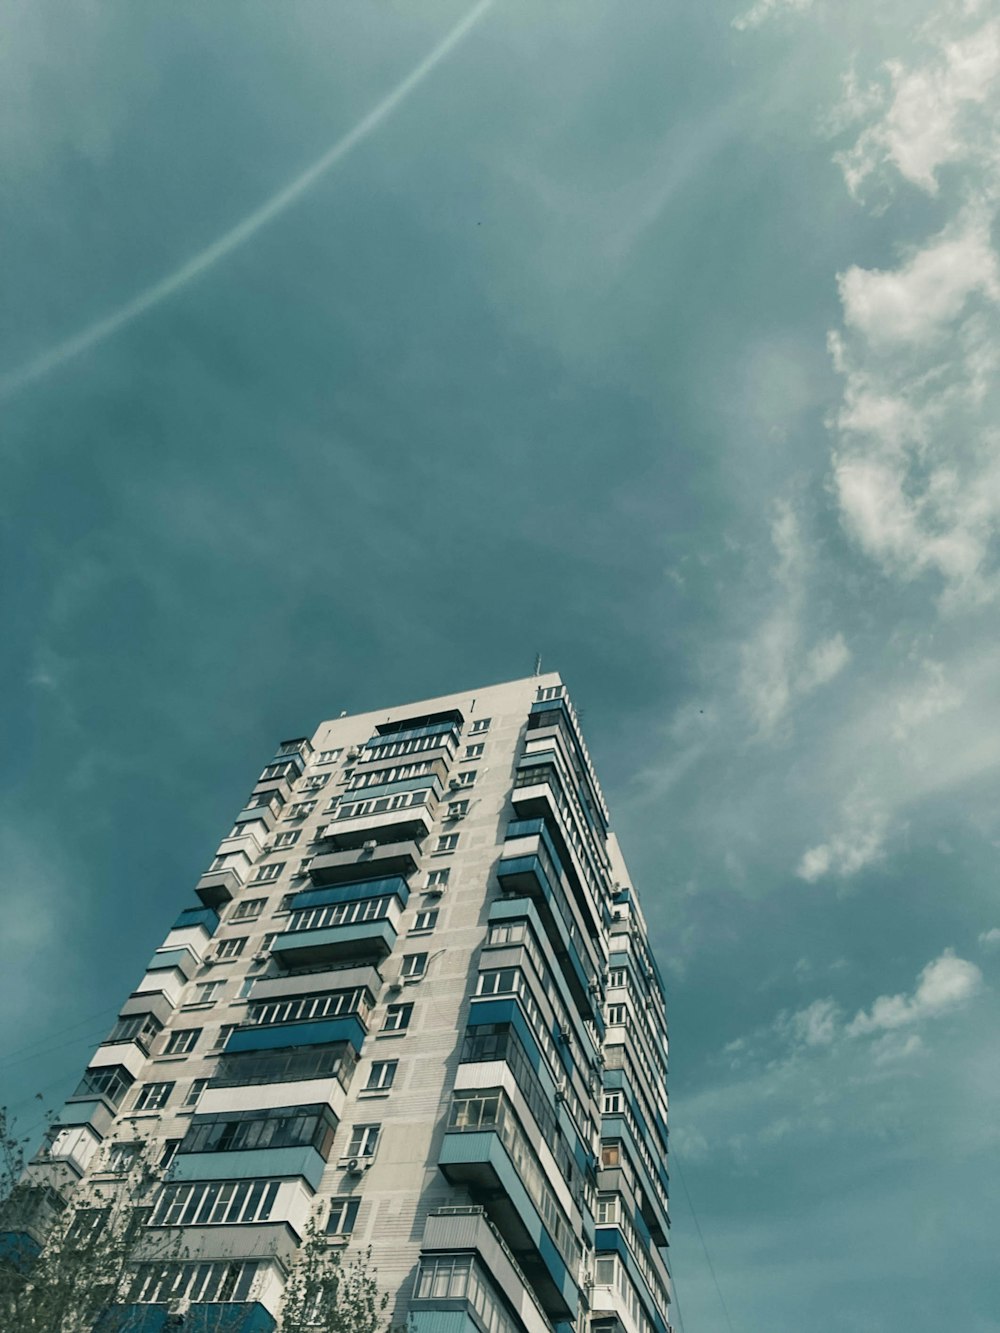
(538, 664)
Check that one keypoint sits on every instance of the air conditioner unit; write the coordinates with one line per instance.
(354, 752)
(393, 987)
(435, 890)
(561, 1092)
(564, 1036)
(369, 846)
(455, 784)
(356, 1166)
(209, 958)
(593, 988)
(261, 957)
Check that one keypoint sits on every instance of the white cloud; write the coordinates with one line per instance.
(929, 699)
(990, 939)
(767, 9)
(859, 843)
(916, 463)
(816, 1025)
(776, 669)
(946, 983)
(930, 111)
(914, 303)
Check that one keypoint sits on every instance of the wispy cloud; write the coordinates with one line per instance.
(764, 10)
(858, 843)
(777, 666)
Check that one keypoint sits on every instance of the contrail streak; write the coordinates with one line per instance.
(243, 231)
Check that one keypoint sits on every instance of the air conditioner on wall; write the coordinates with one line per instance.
(369, 846)
(354, 752)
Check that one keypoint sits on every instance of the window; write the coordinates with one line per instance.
(86, 1226)
(122, 1156)
(306, 1008)
(286, 1065)
(612, 1103)
(474, 751)
(286, 902)
(264, 800)
(381, 1075)
(110, 1082)
(214, 1203)
(268, 941)
(161, 1284)
(457, 810)
(315, 781)
(438, 877)
(611, 1154)
(414, 966)
(247, 987)
(181, 1042)
(426, 919)
(364, 1141)
(397, 1017)
(285, 770)
(311, 1126)
(197, 1087)
(169, 1152)
(222, 1036)
(302, 868)
(231, 948)
(141, 1028)
(286, 839)
(342, 914)
(343, 1215)
(480, 727)
(208, 991)
(249, 909)
(300, 810)
(506, 932)
(468, 777)
(454, 1276)
(153, 1096)
(617, 1014)
(328, 756)
(474, 1110)
(266, 874)
(447, 842)
(617, 977)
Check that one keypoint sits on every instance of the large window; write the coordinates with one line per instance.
(214, 1203)
(449, 1277)
(303, 1008)
(141, 1028)
(160, 1284)
(288, 1065)
(248, 909)
(110, 1082)
(341, 914)
(283, 1127)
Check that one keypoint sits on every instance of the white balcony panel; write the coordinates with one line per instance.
(264, 1096)
(125, 1053)
(171, 983)
(75, 1145)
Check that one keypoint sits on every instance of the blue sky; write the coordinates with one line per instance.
(658, 339)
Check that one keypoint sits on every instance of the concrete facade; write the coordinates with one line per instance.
(414, 1001)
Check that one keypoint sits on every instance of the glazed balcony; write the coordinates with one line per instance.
(353, 865)
(407, 817)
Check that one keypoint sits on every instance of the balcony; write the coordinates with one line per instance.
(218, 887)
(200, 1318)
(408, 816)
(487, 1150)
(314, 1032)
(333, 944)
(388, 858)
(453, 1230)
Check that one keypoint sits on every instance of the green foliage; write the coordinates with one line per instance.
(90, 1247)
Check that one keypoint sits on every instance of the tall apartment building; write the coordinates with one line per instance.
(415, 1002)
